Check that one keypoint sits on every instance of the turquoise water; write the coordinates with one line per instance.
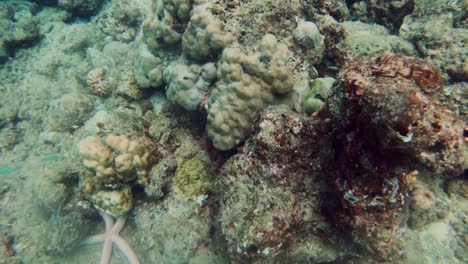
(216, 131)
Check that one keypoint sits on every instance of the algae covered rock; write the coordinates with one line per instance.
(425, 207)
(193, 177)
(438, 39)
(50, 209)
(387, 13)
(70, 111)
(81, 7)
(371, 39)
(19, 26)
(387, 127)
(121, 20)
(269, 191)
(179, 228)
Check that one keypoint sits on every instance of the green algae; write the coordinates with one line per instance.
(193, 177)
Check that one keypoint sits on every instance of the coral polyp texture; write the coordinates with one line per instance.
(113, 166)
(246, 85)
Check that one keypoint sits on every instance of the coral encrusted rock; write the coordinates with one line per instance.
(388, 128)
(270, 190)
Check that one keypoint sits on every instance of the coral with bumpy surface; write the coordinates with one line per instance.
(387, 128)
(204, 37)
(270, 190)
(165, 24)
(113, 166)
(312, 96)
(187, 84)
(246, 85)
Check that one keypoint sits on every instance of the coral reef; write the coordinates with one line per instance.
(112, 166)
(387, 13)
(70, 111)
(388, 127)
(234, 131)
(187, 85)
(246, 85)
(81, 7)
(18, 27)
(270, 194)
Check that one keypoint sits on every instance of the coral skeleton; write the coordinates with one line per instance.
(111, 236)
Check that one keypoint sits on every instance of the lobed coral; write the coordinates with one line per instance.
(113, 166)
(187, 85)
(204, 37)
(246, 85)
(165, 24)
